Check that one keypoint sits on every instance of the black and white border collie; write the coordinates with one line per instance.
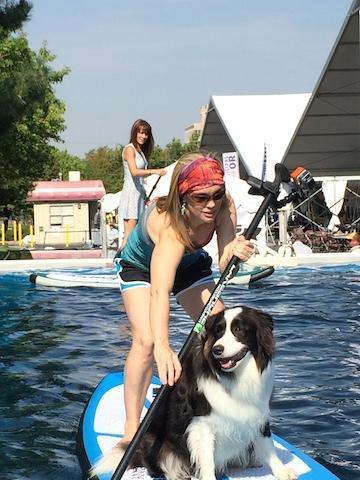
(217, 415)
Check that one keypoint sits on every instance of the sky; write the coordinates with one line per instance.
(160, 60)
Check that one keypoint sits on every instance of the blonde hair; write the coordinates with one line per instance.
(171, 204)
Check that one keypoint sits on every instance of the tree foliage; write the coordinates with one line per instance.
(162, 157)
(13, 15)
(65, 163)
(105, 164)
(30, 114)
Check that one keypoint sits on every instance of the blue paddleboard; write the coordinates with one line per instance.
(101, 427)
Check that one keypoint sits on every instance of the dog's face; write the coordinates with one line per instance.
(236, 333)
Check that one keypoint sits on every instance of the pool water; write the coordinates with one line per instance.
(57, 344)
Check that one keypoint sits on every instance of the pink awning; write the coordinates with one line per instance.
(83, 190)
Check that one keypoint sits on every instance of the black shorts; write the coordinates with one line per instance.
(198, 273)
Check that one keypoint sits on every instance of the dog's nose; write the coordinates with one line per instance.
(217, 350)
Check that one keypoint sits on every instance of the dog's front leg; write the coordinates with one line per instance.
(265, 450)
(201, 442)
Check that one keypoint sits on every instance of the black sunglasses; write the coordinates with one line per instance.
(204, 198)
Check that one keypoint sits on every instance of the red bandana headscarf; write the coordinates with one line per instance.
(201, 173)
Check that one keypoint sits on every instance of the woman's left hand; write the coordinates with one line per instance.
(241, 248)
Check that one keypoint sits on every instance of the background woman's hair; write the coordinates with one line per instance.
(171, 204)
(148, 146)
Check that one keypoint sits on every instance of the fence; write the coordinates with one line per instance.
(14, 234)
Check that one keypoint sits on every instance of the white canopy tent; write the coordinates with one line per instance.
(248, 123)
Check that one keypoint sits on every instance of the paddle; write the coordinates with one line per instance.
(152, 190)
(270, 190)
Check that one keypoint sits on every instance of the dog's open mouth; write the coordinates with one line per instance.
(229, 363)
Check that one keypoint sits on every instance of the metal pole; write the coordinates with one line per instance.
(103, 233)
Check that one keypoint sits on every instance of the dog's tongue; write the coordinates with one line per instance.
(229, 363)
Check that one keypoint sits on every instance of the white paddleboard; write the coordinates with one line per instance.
(72, 280)
(101, 427)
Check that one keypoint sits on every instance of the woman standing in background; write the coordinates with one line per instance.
(136, 157)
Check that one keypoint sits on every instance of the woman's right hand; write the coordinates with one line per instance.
(161, 172)
(167, 361)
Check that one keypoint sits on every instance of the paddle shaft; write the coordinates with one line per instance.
(164, 389)
(152, 190)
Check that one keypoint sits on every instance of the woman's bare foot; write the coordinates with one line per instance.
(126, 439)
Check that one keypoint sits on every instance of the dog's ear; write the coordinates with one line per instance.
(264, 333)
(265, 319)
(211, 320)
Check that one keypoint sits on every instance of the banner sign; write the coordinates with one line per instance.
(231, 164)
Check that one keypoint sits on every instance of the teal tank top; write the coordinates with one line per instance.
(139, 246)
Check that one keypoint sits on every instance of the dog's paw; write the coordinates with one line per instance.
(285, 473)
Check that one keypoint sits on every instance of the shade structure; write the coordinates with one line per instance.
(327, 138)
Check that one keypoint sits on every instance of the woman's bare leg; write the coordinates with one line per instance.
(138, 366)
(129, 225)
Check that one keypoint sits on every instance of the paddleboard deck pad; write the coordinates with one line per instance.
(72, 280)
(101, 427)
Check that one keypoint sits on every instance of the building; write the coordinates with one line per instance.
(196, 128)
(64, 211)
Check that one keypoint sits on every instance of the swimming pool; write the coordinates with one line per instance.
(57, 344)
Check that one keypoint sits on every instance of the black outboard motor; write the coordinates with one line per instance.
(310, 199)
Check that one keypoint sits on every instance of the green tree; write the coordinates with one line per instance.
(105, 164)
(30, 116)
(157, 159)
(193, 145)
(65, 163)
(13, 15)
(173, 151)
(18, 85)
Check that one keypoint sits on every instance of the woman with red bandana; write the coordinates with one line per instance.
(167, 246)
